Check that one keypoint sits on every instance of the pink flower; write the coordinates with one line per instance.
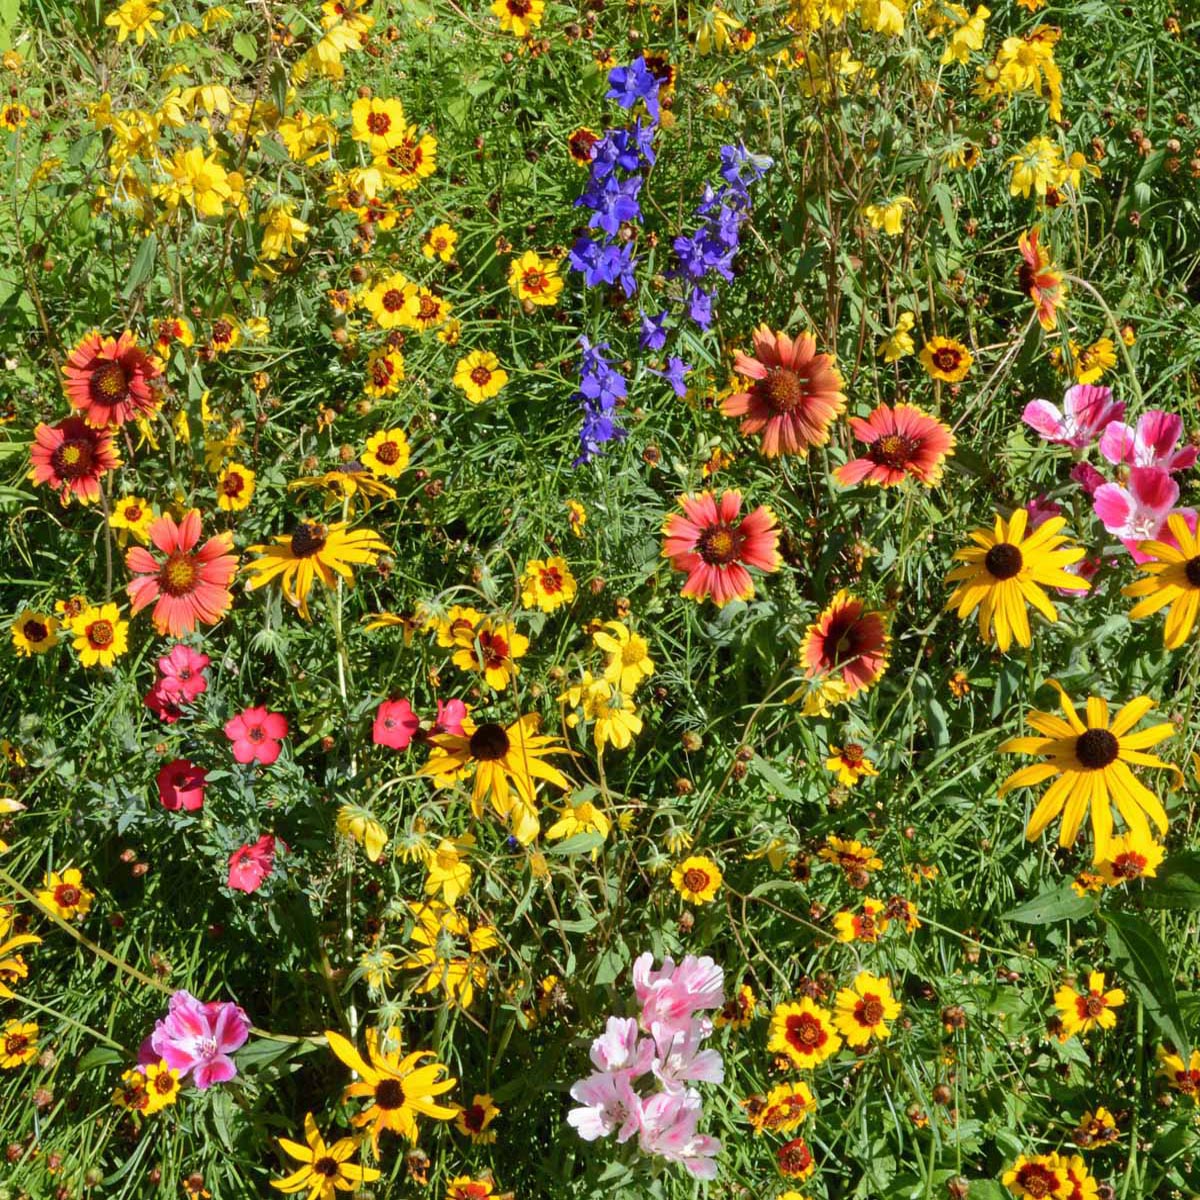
(187, 585)
(255, 735)
(181, 784)
(671, 995)
(1151, 444)
(1085, 413)
(199, 1038)
(450, 716)
(1040, 510)
(1087, 477)
(182, 673)
(250, 865)
(163, 705)
(608, 1103)
(668, 1129)
(395, 724)
(680, 1061)
(1136, 514)
(620, 1048)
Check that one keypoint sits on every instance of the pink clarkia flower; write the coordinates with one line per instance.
(181, 784)
(250, 865)
(608, 1104)
(199, 1038)
(395, 724)
(668, 1129)
(450, 716)
(182, 673)
(1086, 412)
(255, 734)
(1151, 444)
(679, 1060)
(1138, 513)
(1088, 478)
(620, 1048)
(671, 995)
(1040, 510)
(187, 585)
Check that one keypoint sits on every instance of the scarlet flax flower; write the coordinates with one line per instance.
(256, 735)
(901, 441)
(714, 544)
(188, 585)
(72, 458)
(109, 379)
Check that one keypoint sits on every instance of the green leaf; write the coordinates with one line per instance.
(1141, 957)
(1177, 884)
(99, 1056)
(143, 264)
(986, 1189)
(245, 46)
(1057, 904)
(578, 843)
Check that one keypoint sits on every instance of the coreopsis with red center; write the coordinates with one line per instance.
(902, 442)
(714, 544)
(72, 458)
(109, 379)
(189, 585)
(795, 396)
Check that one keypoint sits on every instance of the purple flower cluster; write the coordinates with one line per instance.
(601, 385)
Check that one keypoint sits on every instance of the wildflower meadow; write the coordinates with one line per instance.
(599, 599)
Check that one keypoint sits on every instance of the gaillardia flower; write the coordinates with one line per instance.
(1173, 579)
(1005, 570)
(901, 441)
(1040, 280)
(847, 640)
(795, 396)
(1091, 761)
(72, 458)
(108, 379)
(714, 544)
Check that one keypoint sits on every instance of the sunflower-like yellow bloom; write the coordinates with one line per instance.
(1173, 579)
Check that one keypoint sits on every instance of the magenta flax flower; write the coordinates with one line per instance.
(1086, 413)
(199, 1038)
(181, 784)
(181, 673)
(1151, 443)
(250, 865)
(395, 724)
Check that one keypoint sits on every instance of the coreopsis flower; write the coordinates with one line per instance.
(862, 1011)
(628, 662)
(356, 822)
(804, 1033)
(888, 216)
(1036, 1177)
(580, 145)
(387, 301)
(480, 376)
(1180, 1077)
(440, 242)
(387, 453)
(795, 396)
(491, 649)
(34, 633)
(235, 487)
(447, 871)
(853, 857)
(189, 585)
(1091, 762)
(162, 1086)
(313, 551)
(109, 380)
(1006, 570)
(1095, 1129)
(171, 330)
(1086, 413)
(1130, 856)
(466, 1187)
(794, 1159)
(869, 924)
(131, 515)
(782, 1110)
(849, 763)
(576, 517)
(326, 1170)
(697, 879)
(384, 372)
(224, 334)
(1172, 579)
(739, 1010)
(135, 19)
(378, 122)
(283, 231)
(579, 816)
(902, 442)
(1041, 280)
(1094, 361)
(1082, 1012)
(13, 116)
(535, 279)
(849, 643)
(946, 359)
(256, 735)
(413, 158)
(547, 584)
(18, 1043)
(714, 545)
(64, 894)
(474, 1120)
(101, 636)
(423, 309)
(899, 343)
(518, 17)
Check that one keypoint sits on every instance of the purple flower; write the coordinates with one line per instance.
(199, 1038)
(654, 333)
(700, 307)
(628, 85)
(676, 370)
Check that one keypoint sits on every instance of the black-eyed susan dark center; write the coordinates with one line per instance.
(308, 539)
(489, 742)
(1191, 571)
(326, 1166)
(389, 1093)
(1003, 561)
(1096, 748)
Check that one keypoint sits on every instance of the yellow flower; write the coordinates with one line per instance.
(135, 18)
(1093, 1009)
(18, 1044)
(474, 1121)
(898, 344)
(714, 30)
(1180, 1078)
(387, 453)
(579, 816)
(628, 660)
(853, 857)
(480, 375)
(803, 1032)
(448, 872)
(611, 710)
(850, 764)
(282, 230)
(1037, 1177)
(866, 926)
(534, 279)
(424, 310)
(12, 966)
(34, 633)
(697, 879)
(437, 929)
(162, 1087)
(519, 17)
(64, 895)
(1131, 856)
(1173, 579)
(1036, 167)
(101, 637)
(13, 116)
(946, 359)
(491, 649)
(1094, 361)
(738, 1011)
(440, 242)
(357, 823)
(199, 181)
(326, 1170)
(576, 517)
(1095, 1129)
(890, 216)
(235, 487)
(862, 1011)
(412, 159)
(308, 138)
(387, 301)
(380, 123)
(547, 583)
(132, 515)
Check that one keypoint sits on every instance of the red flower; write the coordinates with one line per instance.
(255, 734)
(847, 640)
(163, 704)
(795, 396)
(900, 441)
(182, 673)
(189, 585)
(181, 784)
(250, 865)
(395, 724)
(108, 379)
(450, 717)
(1040, 280)
(72, 458)
(714, 547)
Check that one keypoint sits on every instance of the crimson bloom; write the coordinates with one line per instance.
(251, 864)
(1040, 279)
(189, 585)
(395, 724)
(109, 379)
(900, 441)
(450, 717)
(182, 673)
(714, 545)
(72, 458)
(181, 784)
(849, 640)
(795, 396)
(255, 734)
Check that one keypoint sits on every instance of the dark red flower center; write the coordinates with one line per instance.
(1129, 866)
(15, 1043)
(388, 453)
(473, 1117)
(177, 576)
(100, 634)
(389, 1094)
(164, 1084)
(429, 309)
(1037, 1180)
(379, 123)
(869, 1010)
(234, 484)
(695, 879)
(893, 450)
(405, 158)
(534, 281)
(495, 650)
(520, 8)
(35, 631)
(718, 545)
(580, 144)
(852, 754)
(74, 459)
(480, 376)
(222, 332)
(1091, 1006)
(784, 389)
(256, 734)
(67, 895)
(947, 358)
(805, 1032)
(109, 383)
(489, 742)
(326, 1166)
(794, 1157)
(308, 539)
(1003, 561)
(552, 580)
(393, 300)
(1096, 748)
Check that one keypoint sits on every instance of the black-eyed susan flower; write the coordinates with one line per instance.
(101, 637)
(547, 584)
(475, 1120)
(1006, 570)
(18, 1043)
(1091, 762)
(326, 1170)
(313, 551)
(697, 879)
(64, 894)
(34, 633)
(1083, 1012)
(862, 1011)
(534, 279)
(400, 1088)
(480, 376)
(1173, 579)
(803, 1032)
(849, 763)
(491, 648)
(946, 359)
(387, 453)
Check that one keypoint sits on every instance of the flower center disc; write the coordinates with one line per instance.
(389, 1093)
(803, 1029)
(894, 450)
(1003, 561)
(309, 539)
(870, 1011)
(73, 459)
(947, 359)
(1093, 1006)
(326, 1166)
(100, 634)
(66, 895)
(109, 383)
(1191, 570)
(784, 389)
(489, 742)
(1096, 748)
(480, 376)
(379, 123)
(178, 575)
(717, 545)
(393, 300)
(695, 880)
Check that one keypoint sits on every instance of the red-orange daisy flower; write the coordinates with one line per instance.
(795, 396)
(189, 585)
(714, 545)
(1040, 279)
(900, 441)
(108, 379)
(72, 458)
(848, 640)
(795, 1159)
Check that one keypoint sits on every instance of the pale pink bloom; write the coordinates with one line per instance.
(1151, 444)
(450, 714)
(1137, 513)
(671, 995)
(1085, 413)
(250, 865)
(1087, 477)
(668, 1129)
(608, 1103)
(680, 1061)
(255, 734)
(199, 1038)
(395, 724)
(1040, 510)
(619, 1048)
(182, 674)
